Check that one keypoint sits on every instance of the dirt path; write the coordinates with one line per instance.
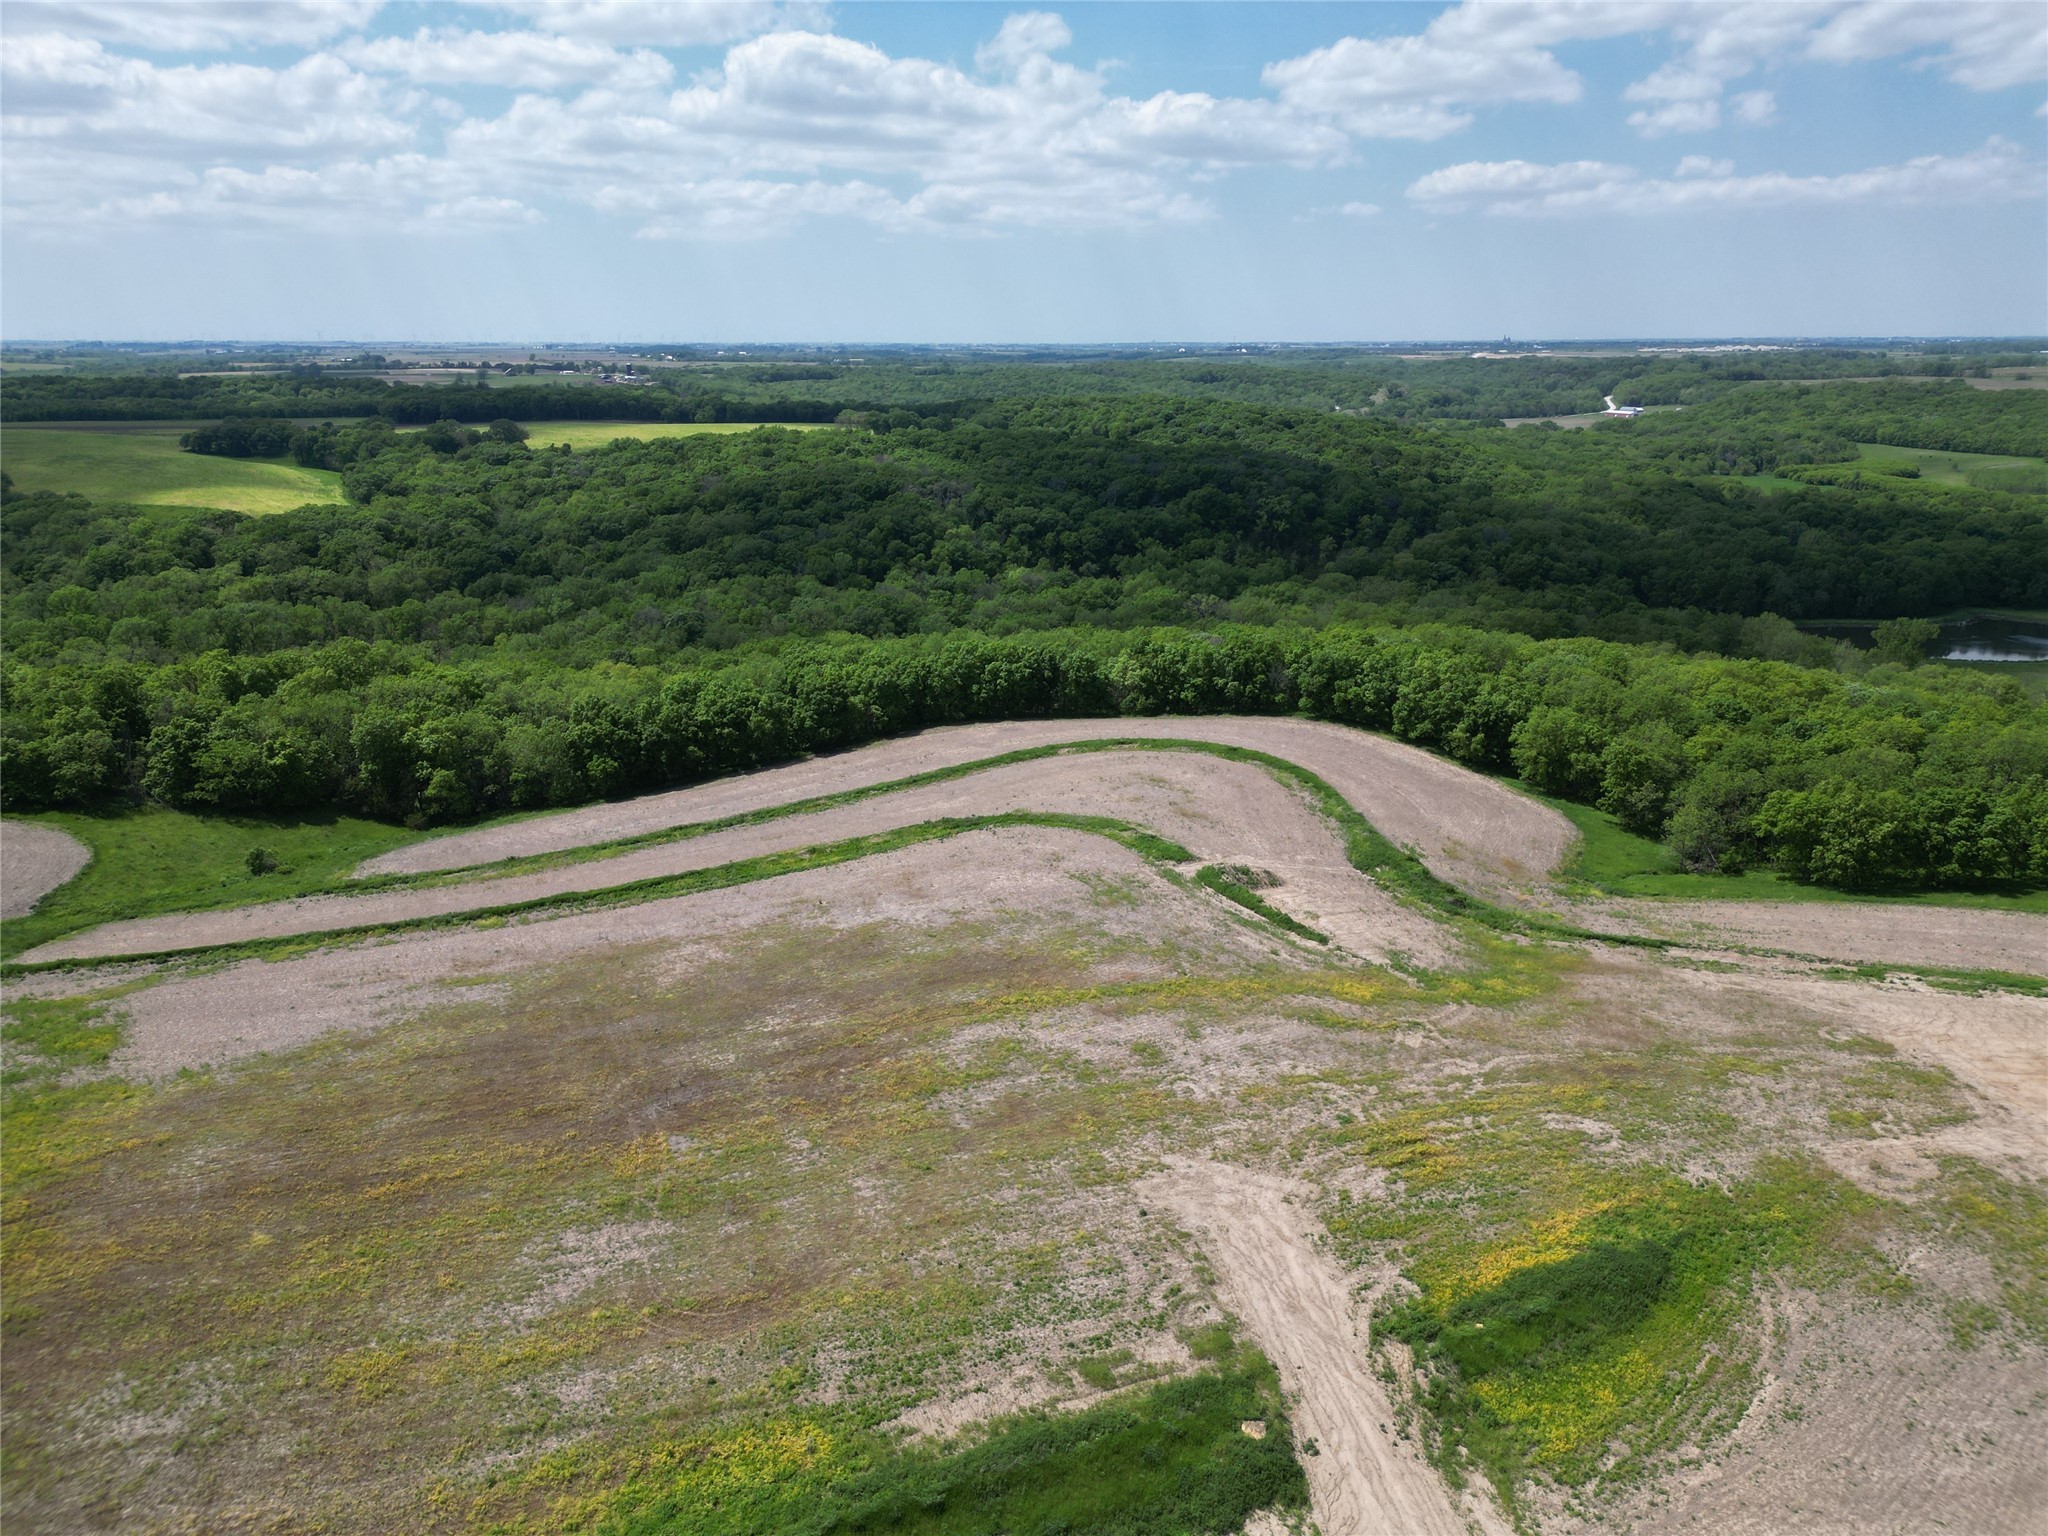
(1222, 811)
(34, 861)
(1471, 830)
(1296, 1304)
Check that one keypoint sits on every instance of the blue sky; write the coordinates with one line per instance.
(729, 170)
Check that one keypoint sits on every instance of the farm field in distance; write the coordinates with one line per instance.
(596, 434)
(1103, 947)
(1944, 468)
(147, 468)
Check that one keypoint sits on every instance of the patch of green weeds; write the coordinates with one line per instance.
(2008, 1221)
(1895, 1097)
(1592, 1341)
(1217, 878)
(1971, 983)
(62, 1033)
(1174, 1461)
(1970, 1322)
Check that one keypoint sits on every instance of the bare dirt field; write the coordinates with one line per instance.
(1469, 829)
(1959, 938)
(485, 1220)
(34, 861)
(1220, 810)
(209, 1017)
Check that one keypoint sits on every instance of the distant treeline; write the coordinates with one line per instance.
(1026, 516)
(162, 397)
(1945, 417)
(1441, 388)
(1902, 778)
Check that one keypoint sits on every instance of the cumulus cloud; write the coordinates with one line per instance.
(1496, 52)
(790, 125)
(795, 122)
(190, 26)
(1021, 38)
(515, 60)
(73, 91)
(660, 23)
(1998, 172)
(1757, 109)
(1031, 141)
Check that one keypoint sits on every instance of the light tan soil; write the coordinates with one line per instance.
(34, 861)
(1962, 938)
(264, 1005)
(1995, 1044)
(1222, 811)
(1261, 1237)
(1868, 1424)
(1471, 830)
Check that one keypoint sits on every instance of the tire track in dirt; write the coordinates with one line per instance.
(34, 861)
(1220, 809)
(1297, 1306)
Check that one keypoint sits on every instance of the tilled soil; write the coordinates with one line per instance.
(1470, 830)
(193, 1020)
(1221, 810)
(34, 861)
(1891, 933)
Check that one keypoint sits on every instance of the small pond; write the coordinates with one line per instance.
(1977, 638)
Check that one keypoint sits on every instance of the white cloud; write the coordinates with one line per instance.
(660, 23)
(1984, 45)
(1998, 172)
(748, 147)
(1021, 38)
(189, 26)
(514, 60)
(1676, 117)
(1496, 52)
(73, 91)
(1757, 109)
(1360, 210)
(407, 193)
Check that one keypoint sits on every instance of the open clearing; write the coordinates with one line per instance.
(147, 468)
(595, 434)
(692, 1211)
(1942, 467)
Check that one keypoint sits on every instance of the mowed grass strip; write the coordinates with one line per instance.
(149, 469)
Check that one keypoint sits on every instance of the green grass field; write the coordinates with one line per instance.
(147, 468)
(1622, 864)
(1941, 468)
(152, 859)
(595, 434)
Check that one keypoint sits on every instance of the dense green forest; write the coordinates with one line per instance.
(488, 627)
(1448, 387)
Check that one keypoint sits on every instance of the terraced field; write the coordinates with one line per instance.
(796, 1151)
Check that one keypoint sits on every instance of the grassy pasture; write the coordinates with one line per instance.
(1619, 863)
(595, 434)
(1943, 468)
(151, 859)
(147, 468)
